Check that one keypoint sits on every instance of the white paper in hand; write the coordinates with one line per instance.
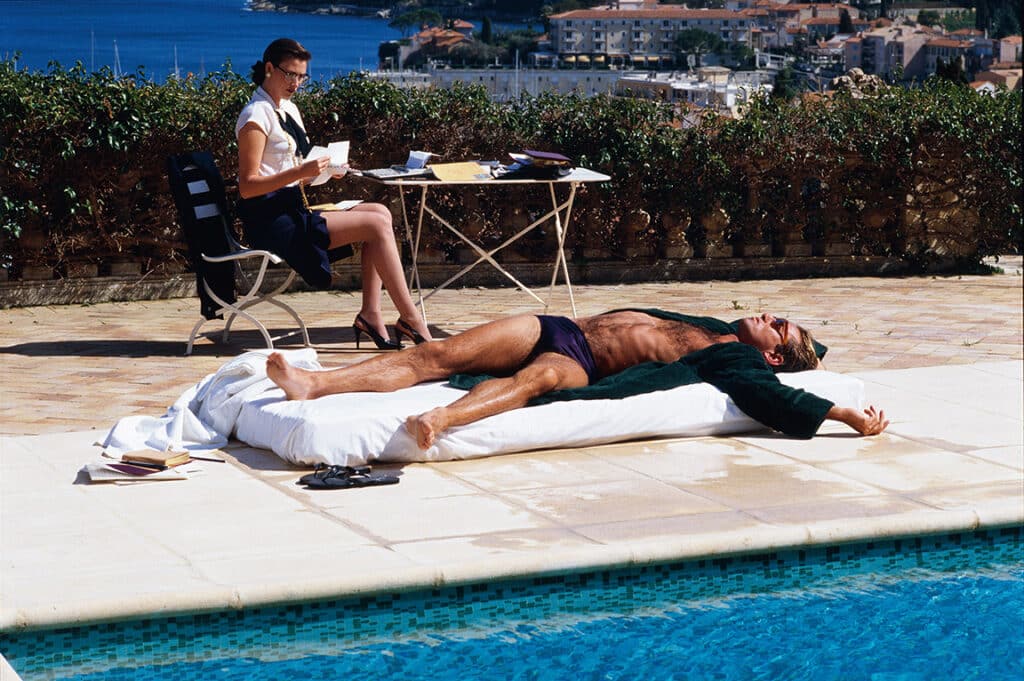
(337, 152)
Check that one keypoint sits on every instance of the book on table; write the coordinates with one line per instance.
(545, 159)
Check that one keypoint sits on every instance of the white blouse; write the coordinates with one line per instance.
(280, 152)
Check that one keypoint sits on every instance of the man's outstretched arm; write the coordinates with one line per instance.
(869, 421)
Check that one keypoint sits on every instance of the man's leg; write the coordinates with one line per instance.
(499, 347)
(547, 373)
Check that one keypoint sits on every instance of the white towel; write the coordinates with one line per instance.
(203, 418)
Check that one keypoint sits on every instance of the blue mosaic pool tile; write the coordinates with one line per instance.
(296, 630)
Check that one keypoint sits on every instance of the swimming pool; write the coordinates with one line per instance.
(938, 607)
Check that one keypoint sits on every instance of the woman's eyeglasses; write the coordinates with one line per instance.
(292, 76)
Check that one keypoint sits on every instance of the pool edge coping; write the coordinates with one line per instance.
(648, 552)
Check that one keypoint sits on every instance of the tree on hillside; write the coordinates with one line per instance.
(786, 87)
(845, 22)
(954, 21)
(486, 32)
(929, 17)
(1005, 22)
(698, 43)
(953, 70)
(415, 19)
(999, 17)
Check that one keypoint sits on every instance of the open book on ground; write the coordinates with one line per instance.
(114, 471)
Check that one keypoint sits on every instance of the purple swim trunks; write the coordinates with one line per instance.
(561, 335)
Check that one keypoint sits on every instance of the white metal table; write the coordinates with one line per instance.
(560, 214)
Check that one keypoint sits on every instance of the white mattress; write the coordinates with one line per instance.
(358, 428)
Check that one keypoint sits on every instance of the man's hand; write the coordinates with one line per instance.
(870, 421)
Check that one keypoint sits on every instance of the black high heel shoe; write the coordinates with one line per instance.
(361, 326)
(402, 328)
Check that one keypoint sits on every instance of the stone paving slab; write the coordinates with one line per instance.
(243, 534)
(943, 356)
(78, 367)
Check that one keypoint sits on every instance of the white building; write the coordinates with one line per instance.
(505, 85)
(713, 87)
(643, 35)
(508, 84)
(891, 50)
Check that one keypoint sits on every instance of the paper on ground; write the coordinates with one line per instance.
(102, 472)
(337, 152)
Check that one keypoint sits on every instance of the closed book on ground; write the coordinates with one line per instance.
(155, 458)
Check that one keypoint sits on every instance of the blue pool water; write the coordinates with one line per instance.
(941, 607)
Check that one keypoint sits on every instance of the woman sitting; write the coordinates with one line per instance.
(272, 144)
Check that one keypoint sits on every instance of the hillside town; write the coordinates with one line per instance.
(710, 58)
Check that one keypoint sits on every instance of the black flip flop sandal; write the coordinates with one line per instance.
(343, 477)
(324, 470)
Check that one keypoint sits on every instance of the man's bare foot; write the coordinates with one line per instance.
(425, 428)
(297, 383)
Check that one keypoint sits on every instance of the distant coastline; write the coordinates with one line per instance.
(380, 12)
(331, 8)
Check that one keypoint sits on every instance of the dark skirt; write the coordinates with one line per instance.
(279, 222)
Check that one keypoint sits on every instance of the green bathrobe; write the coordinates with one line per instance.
(737, 369)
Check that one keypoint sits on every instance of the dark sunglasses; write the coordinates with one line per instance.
(782, 326)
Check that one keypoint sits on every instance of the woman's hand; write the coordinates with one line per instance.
(314, 167)
(870, 421)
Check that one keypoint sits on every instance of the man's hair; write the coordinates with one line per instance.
(798, 353)
(277, 52)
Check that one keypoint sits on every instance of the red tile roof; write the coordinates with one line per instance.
(660, 13)
(949, 42)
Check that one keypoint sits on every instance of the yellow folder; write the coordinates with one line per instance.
(465, 171)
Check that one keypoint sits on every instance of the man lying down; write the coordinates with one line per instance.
(526, 360)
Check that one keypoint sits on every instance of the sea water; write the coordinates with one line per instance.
(187, 36)
(919, 609)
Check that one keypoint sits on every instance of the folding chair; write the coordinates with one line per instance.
(201, 201)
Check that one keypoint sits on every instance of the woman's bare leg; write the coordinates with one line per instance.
(370, 223)
(501, 347)
(545, 374)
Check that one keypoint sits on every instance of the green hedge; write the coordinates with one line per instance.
(918, 174)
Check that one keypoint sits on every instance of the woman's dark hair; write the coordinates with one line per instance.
(277, 52)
